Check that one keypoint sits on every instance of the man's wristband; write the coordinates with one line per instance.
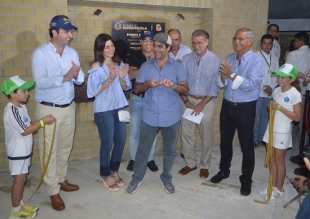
(42, 123)
(279, 106)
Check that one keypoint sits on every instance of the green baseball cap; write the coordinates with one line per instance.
(15, 82)
(287, 70)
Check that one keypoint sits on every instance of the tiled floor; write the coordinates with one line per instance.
(194, 197)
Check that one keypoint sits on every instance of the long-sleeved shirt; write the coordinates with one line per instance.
(247, 84)
(48, 70)
(112, 97)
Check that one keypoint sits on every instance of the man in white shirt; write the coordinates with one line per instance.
(300, 57)
(269, 82)
(273, 30)
(178, 50)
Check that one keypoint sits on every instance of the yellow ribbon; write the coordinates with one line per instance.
(269, 153)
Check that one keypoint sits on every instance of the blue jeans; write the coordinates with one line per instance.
(136, 104)
(111, 131)
(147, 136)
(304, 209)
(261, 118)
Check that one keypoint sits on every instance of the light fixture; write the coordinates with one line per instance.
(97, 12)
(181, 16)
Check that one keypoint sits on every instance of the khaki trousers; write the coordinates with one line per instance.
(63, 140)
(206, 135)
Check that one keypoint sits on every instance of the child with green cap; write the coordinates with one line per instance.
(18, 140)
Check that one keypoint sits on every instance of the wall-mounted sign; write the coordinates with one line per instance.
(126, 35)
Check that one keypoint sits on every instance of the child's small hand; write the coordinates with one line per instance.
(48, 119)
(275, 105)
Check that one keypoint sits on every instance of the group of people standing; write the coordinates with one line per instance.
(166, 78)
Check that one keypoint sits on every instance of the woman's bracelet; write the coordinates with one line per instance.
(42, 123)
(279, 106)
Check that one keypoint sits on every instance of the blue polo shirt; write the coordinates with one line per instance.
(161, 107)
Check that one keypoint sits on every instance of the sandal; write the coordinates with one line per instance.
(110, 184)
(119, 181)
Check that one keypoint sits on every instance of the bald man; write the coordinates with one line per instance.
(178, 50)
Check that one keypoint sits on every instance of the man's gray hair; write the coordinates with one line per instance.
(249, 33)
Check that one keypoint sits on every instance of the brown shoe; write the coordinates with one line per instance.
(57, 202)
(68, 187)
(186, 170)
(204, 173)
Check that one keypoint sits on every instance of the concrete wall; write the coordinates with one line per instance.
(24, 26)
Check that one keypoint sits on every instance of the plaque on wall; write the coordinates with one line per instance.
(126, 35)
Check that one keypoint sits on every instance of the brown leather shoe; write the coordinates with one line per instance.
(186, 170)
(204, 173)
(68, 187)
(57, 202)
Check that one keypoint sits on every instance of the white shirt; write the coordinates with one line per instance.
(271, 63)
(276, 49)
(183, 50)
(301, 59)
(16, 120)
(48, 70)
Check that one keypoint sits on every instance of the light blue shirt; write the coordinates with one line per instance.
(48, 70)
(250, 71)
(113, 96)
(202, 73)
(183, 50)
(161, 107)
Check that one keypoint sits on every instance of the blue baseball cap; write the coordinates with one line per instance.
(147, 33)
(63, 22)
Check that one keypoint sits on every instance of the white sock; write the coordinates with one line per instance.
(15, 209)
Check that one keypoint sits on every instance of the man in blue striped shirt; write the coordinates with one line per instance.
(202, 69)
(241, 76)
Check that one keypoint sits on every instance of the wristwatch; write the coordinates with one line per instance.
(232, 76)
(185, 101)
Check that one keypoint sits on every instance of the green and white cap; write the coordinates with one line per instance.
(15, 82)
(287, 70)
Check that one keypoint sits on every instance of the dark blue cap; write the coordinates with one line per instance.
(147, 33)
(63, 22)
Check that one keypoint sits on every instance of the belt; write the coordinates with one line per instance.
(197, 97)
(139, 95)
(56, 105)
(239, 103)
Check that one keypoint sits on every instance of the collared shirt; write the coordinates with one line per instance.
(183, 50)
(250, 72)
(112, 97)
(48, 70)
(301, 59)
(271, 63)
(161, 107)
(276, 49)
(202, 73)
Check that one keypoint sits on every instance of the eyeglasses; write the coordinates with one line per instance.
(239, 39)
(197, 44)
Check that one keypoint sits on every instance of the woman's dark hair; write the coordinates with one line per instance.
(99, 45)
(296, 84)
(50, 31)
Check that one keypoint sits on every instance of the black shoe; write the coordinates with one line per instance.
(303, 171)
(219, 177)
(297, 160)
(152, 166)
(130, 165)
(182, 155)
(245, 189)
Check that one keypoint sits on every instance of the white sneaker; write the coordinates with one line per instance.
(265, 191)
(276, 193)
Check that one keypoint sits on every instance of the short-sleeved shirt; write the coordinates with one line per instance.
(183, 50)
(161, 107)
(16, 121)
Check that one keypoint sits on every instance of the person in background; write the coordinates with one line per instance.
(136, 100)
(178, 50)
(56, 68)
(273, 30)
(241, 76)
(202, 68)
(268, 84)
(18, 129)
(107, 79)
(287, 105)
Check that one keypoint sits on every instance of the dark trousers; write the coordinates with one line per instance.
(240, 116)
